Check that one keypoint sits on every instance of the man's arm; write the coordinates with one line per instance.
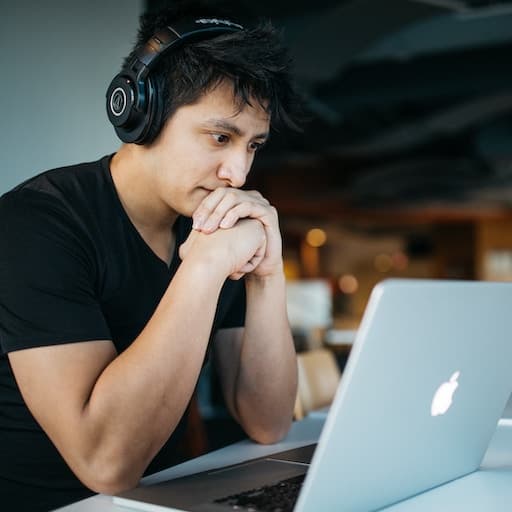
(109, 414)
(257, 365)
(259, 368)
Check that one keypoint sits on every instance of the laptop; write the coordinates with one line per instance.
(426, 382)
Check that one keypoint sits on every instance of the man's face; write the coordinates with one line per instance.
(204, 146)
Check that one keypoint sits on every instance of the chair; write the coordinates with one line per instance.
(318, 378)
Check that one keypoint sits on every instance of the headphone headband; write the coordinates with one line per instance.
(133, 103)
(178, 35)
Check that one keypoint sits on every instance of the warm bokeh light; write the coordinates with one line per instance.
(348, 283)
(291, 269)
(383, 262)
(316, 237)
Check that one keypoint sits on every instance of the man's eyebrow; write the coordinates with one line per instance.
(223, 124)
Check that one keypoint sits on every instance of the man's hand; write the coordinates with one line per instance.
(241, 248)
(223, 208)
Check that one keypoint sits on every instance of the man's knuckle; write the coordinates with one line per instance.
(204, 209)
(231, 196)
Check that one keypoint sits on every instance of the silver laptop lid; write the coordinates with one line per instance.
(386, 438)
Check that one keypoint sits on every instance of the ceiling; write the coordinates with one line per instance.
(409, 101)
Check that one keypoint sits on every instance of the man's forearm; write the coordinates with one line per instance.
(140, 397)
(267, 380)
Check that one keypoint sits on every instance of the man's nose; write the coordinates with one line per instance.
(235, 168)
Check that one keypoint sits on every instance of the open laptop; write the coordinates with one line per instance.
(427, 379)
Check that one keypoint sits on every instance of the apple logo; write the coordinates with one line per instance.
(444, 395)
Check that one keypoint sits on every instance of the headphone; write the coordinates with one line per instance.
(134, 104)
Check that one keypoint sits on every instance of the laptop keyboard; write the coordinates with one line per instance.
(279, 497)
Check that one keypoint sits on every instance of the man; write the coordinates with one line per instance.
(110, 300)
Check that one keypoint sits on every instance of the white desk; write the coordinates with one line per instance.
(487, 490)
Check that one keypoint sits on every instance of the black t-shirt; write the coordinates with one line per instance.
(74, 268)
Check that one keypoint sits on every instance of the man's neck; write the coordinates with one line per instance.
(137, 191)
(150, 216)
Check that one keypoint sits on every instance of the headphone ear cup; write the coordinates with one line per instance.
(121, 97)
(127, 107)
(155, 112)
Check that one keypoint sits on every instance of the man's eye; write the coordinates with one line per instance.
(255, 146)
(220, 138)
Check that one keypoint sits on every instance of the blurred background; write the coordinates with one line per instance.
(404, 167)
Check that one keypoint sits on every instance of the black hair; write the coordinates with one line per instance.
(255, 61)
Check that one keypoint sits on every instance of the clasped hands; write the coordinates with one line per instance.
(245, 224)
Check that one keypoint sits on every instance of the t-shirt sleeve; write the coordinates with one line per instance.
(47, 275)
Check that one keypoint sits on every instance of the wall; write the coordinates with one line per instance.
(57, 60)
